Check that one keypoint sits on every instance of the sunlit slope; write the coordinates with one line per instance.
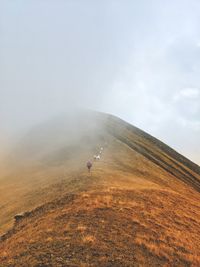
(138, 207)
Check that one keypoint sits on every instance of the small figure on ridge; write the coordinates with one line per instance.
(89, 165)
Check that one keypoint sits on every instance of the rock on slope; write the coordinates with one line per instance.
(138, 207)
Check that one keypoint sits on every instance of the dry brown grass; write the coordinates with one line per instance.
(128, 212)
(136, 226)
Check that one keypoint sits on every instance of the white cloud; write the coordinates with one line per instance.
(191, 93)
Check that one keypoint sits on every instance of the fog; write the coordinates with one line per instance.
(139, 60)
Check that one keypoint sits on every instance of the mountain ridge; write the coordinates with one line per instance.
(131, 210)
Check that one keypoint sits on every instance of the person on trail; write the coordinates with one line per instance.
(89, 165)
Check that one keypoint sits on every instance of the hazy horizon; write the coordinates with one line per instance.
(136, 60)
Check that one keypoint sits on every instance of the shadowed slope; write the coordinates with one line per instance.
(138, 207)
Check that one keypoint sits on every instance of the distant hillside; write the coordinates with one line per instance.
(138, 207)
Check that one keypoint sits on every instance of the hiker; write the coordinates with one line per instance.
(89, 165)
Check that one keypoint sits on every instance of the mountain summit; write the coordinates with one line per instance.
(139, 205)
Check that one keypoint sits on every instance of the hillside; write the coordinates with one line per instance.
(138, 207)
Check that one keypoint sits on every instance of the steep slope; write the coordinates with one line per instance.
(138, 207)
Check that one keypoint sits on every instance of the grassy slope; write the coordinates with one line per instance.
(131, 211)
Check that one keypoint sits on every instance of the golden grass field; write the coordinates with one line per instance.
(138, 207)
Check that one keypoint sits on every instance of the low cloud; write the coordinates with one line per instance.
(138, 60)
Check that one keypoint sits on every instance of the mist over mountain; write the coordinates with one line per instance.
(136, 60)
(99, 133)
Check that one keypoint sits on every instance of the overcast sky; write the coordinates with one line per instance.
(139, 60)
